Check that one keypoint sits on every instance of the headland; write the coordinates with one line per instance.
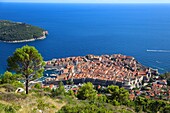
(16, 32)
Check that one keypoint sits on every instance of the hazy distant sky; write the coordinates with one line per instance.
(91, 1)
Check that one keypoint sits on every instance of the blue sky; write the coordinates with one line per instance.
(91, 1)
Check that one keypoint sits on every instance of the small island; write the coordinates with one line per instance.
(15, 32)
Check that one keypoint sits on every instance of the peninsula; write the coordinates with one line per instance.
(15, 32)
(103, 70)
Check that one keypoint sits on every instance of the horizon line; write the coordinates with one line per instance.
(92, 2)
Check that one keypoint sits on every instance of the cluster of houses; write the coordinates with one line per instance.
(103, 70)
(157, 89)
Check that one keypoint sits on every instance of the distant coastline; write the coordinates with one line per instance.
(29, 40)
(16, 32)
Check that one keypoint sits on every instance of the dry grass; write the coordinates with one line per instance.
(2, 90)
(30, 104)
(5, 103)
(33, 103)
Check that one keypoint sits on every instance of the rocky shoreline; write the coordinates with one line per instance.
(29, 40)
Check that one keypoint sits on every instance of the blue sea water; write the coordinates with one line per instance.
(81, 29)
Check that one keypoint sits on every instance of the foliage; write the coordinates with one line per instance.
(166, 109)
(87, 92)
(11, 79)
(71, 93)
(28, 62)
(8, 108)
(58, 91)
(140, 104)
(99, 104)
(8, 77)
(102, 98)
(86, 108)
(155, 106)
(15, 31)
(118, 94)
(147, 105)
(17, 84)
(42, 105)
(37, 85)
(22, 103)
(47, 89)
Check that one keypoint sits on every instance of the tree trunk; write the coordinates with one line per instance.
(26, 84)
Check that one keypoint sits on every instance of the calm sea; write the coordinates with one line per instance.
(80, 29)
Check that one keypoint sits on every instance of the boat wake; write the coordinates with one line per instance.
(158, 62)
(160, 51)
(160, 68)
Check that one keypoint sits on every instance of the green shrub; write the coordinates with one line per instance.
(87, 91)
(47, 89)
(37, 85)
(17, 84)
(84, 108)
(115, 103)
(41, 105)
(9, 108)
(166, 109)
(58, 91)
(71, 93)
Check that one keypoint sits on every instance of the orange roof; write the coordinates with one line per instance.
(142, 73)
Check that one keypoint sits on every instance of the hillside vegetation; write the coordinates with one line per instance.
(86, 98)
(35, 102)
(52, 101)
(17, 31)
(40, 101)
